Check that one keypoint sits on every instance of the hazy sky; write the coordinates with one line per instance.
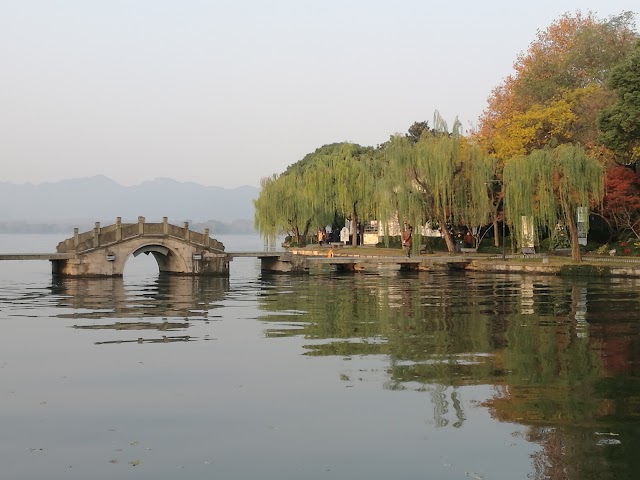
(227, 92)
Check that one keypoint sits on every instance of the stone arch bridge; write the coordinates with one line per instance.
(103, 251)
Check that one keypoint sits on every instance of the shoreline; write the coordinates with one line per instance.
(490, 263)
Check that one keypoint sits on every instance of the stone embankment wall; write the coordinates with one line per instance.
(585, 268)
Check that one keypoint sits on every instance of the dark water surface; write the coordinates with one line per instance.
(321, 376)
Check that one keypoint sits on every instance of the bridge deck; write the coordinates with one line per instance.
(255, 254)
(65, 256)
(36, 256)
(315, 259)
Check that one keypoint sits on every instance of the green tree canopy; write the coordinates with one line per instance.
(620, 123)
(283, 207)
(548, 186)
(343, 178)
(416, 130)
(337, 179)
(441, 178)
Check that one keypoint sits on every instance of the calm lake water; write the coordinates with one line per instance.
(323, 376)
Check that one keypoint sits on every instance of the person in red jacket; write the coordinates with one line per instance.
(407, 240)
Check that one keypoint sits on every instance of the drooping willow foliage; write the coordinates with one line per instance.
(344, 178)
(548, 186)
(473, 186)
(284, 206)
(338, 179)
(441, 178)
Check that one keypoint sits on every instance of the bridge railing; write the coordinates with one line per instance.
(103, 236)
(129, 230)
(108, 234)
(176, 231)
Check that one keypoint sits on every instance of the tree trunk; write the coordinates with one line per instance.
(306, 229)
(447, 236)
(354, 230)
(496, 207)
(575, 246)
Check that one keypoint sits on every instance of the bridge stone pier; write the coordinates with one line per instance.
(103, 251)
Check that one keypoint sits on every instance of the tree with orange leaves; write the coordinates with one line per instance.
(558, 88)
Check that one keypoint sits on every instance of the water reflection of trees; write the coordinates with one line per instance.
(562, 355)
(165, 304)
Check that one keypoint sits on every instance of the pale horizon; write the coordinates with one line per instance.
(123, 184)
(225, 94)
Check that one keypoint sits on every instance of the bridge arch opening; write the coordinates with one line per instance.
(150, 259)
(142, 265)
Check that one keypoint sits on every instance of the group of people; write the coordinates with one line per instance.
(327, 235)
(465, 240)
(324, 237)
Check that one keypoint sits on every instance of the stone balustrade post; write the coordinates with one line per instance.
(75, 238)
(206, 237)
(96, 235)
(186, 231)
(165, 226)
(118, 229)
(140, 225)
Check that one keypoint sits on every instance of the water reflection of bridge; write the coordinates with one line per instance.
(171, 304)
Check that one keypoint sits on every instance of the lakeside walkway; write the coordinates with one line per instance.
(367, 258)
(540, 263)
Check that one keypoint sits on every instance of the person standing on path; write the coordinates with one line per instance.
(407, 240)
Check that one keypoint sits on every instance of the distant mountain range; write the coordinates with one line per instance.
(84, 201)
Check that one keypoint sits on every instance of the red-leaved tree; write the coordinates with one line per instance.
(621, 205)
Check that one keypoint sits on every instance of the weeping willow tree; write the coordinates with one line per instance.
(335, 180)
(344, 180)
(548, 186)
(473, 185)
(283, 207)
(440, 178)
